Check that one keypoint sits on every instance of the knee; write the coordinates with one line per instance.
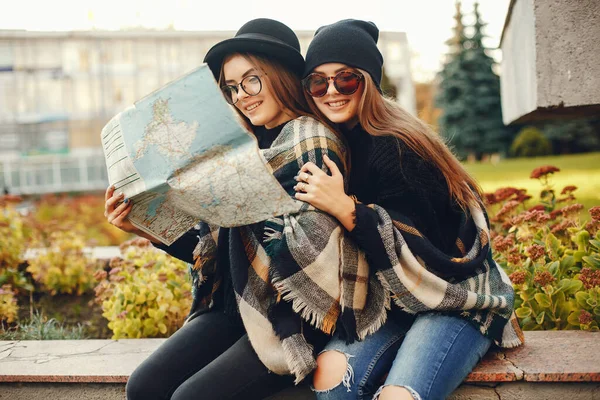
(396, 393)
(139, 387)
(331, 369)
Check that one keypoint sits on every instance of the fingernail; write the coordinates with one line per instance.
(296, 177)
(121, 194)
(126, 201)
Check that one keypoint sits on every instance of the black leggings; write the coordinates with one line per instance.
(208, 358)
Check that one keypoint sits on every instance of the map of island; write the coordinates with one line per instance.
(181, 155)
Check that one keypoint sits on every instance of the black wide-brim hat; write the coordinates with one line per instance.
(262, 36)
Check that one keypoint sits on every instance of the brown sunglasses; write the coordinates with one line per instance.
(345, 82)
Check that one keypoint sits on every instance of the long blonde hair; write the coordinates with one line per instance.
(380, 116)
(283, 83)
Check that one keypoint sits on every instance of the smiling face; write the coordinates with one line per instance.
(262, 109)
(338, 108)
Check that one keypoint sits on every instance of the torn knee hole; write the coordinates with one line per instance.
(393, 391)
(333, 369)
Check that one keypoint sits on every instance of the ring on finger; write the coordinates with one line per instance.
(304, 176)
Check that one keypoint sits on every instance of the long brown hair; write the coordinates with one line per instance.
(380, 116)
(283, 83)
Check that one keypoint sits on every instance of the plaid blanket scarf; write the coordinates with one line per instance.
(304, 267)
(280, 280)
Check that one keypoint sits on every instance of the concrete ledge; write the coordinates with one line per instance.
(550, 63)
(550, 362)
(61, 391)
(548, 356)
(83, 361)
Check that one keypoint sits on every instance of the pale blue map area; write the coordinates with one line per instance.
(182, 104)
(154, 205)
(188, 159)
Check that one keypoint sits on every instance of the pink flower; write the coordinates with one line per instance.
(571, 209)
(543, 278)
(507, 208)
(585, 317)
(540, 172)
(589, 278)
(536, 251)
(595, 213)
(518, 277)
(502, 244)
(568, 189)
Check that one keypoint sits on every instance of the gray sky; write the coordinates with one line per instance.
(428, 23)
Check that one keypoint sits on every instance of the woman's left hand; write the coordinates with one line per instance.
(322, 191)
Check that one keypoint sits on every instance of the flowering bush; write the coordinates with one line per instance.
(551, 256)
(12, 247)
(59, 227)
(61, 265)
(147, 293)
(84, 214)
(8, 304)
(12, 237)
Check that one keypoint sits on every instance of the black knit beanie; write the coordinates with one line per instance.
(350, 41)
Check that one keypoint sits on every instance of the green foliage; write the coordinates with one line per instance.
(530, 142)
(42, 328)
(572, 136)
(552, 258)
(469, 95)
(12, 237)
(147, 293)
(82, 214)
(8, 304)
(12, 247)
(59, 227)
(61, 265)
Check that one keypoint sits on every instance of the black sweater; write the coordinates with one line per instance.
(386, 172)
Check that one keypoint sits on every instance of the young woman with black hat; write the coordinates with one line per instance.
(247, 336)
(417, 215)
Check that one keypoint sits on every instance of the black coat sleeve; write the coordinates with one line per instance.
(183, 247)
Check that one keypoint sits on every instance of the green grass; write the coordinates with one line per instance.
(581, 170)
(41, 328)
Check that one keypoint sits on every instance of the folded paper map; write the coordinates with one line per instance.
(182, 156)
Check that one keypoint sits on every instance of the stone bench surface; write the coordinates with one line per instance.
(557, 356)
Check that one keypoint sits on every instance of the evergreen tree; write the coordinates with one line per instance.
(456, 118)
(469, 94)
(492, 135)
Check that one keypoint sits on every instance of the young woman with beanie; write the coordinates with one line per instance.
(417, 215)
(254, 286)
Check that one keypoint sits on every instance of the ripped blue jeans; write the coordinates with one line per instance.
(430, 358)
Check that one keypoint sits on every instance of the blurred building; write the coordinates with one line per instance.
(551, 60)
(58, 89)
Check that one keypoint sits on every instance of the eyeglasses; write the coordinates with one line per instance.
(251, 85)
(345, 82)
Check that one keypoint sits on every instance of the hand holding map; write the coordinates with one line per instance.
(181, 156)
